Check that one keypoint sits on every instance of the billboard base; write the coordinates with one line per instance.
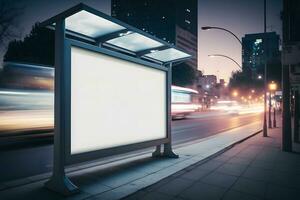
(61, 185)
(168, 152)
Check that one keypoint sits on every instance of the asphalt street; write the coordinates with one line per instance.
(37, 158)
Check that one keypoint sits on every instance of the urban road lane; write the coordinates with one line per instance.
(31, 159)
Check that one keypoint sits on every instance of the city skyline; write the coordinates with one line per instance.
(210, 13)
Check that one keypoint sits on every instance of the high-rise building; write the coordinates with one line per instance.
(259, 47)
(291, 39)
(174, 21)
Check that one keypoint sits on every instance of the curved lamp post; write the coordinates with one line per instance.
(220, 55)
(223, 29)
(265, 75)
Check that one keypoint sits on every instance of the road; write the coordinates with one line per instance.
(37, 159)
(197, 128)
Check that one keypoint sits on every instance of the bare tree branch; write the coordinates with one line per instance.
(9, 12)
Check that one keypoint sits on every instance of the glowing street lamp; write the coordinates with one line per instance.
(259, 77)
(235, 93)
(272, 88)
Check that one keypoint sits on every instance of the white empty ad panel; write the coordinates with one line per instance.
(114, 102)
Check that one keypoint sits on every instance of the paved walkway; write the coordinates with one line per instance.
(253, 169)
(120, 179)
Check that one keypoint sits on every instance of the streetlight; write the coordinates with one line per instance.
(259, 77)
(272, 88)
(265, 129)
(235, 93)
(220, 55)
(205, 28)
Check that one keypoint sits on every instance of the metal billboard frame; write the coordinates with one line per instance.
(59, 182)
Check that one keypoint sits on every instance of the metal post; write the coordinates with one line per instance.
(286, 112)
(59, 182)
(274, 117)
(270, 111)
(168, 152)
(265, 128)
(296, 115)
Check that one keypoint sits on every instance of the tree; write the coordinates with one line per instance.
(183, 75)
(37, 47)
(9, 12)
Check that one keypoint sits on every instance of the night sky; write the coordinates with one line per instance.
(240, 16)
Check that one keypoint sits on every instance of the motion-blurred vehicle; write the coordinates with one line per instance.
(27, 76)
(26, 98)
(184, 102)
(231, 107)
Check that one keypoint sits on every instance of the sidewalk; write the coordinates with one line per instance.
(119, 179)
(253, 169)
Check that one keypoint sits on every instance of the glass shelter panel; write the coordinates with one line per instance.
(134, 42)
(91, 25)
(167, 55)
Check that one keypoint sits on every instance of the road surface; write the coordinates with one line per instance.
(32, 159)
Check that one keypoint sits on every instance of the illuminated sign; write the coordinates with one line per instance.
(114, 102)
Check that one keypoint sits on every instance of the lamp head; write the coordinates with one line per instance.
(205, 28)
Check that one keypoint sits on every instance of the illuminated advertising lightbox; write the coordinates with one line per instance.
(114, 102)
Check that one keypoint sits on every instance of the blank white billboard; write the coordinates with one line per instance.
(114, 102)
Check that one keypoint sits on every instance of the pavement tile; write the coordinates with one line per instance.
(247, 154)
(251, 187)
(288, 157)
(153, 187)
(117, 193)
(232, 169)
(203, 191)
(287, 167)
(235, 195)
(175, 186)
(231, 152)
(210, 165)
(136, 196)
(156, 196)
(222, 158)
(195, 174)
(275, 192)
(239, 160)
(285, 179)
(267, 157)
(29, 191)
(220, 180)
(94, 188)
(262, 164)
(258, 174)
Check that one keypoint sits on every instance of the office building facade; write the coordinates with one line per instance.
(174, 21)
(257, 49)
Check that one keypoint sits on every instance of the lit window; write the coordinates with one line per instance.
(187, 21)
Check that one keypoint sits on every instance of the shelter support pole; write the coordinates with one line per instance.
(59, 182)
(167, 149)
(286, 110)
(168, 152)
(157, 152)
(296, 115)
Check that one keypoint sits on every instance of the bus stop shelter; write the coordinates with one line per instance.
(112, 90)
